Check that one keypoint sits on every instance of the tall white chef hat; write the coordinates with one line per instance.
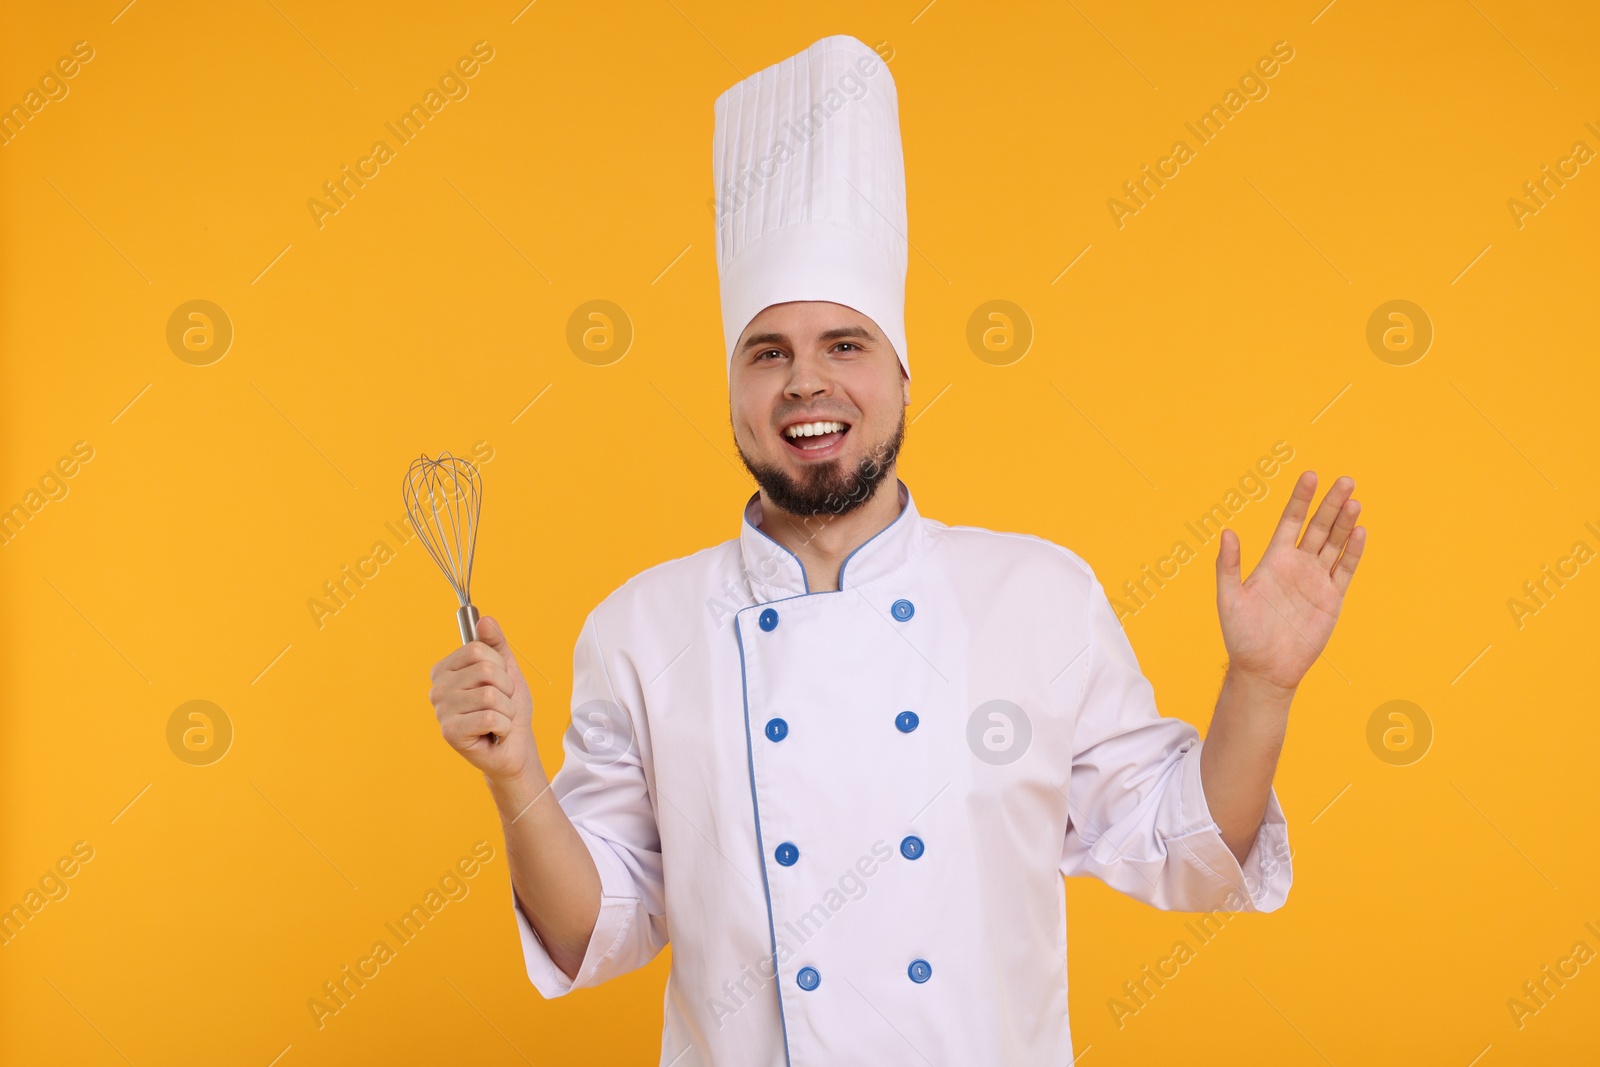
(811, 189)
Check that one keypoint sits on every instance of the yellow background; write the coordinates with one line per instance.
(1228, 314)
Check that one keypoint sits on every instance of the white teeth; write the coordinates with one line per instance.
(811, 429)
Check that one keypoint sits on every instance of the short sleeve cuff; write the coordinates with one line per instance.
(619, 904)
(1262, 882)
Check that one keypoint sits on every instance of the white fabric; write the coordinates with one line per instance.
(811, 189)
(684, 827)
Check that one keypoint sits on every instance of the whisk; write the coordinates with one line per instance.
(442, 498)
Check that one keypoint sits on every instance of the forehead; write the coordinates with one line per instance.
(805, 318)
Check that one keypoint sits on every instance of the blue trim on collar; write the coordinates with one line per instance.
(805, 581)
(874, 537)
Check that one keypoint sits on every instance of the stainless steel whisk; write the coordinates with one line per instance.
(442, 498)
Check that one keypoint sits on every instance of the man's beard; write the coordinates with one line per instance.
(829, 488)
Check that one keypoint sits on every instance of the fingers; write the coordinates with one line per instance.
(468, 654)
(1294, 512)
(464, 731)
(1329, 554)
(1345, 569)
(450, 703)
(1316, 535)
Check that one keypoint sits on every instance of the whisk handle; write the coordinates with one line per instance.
(467, 619)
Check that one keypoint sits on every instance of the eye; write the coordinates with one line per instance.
(848, 344)
(771, 351)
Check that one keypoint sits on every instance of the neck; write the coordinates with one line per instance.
(823, 542)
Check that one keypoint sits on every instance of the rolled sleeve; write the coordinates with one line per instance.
(603, 788)
(1261, 883)
(1137, 813)
(620, 907)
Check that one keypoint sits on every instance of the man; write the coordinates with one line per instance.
(847, 756)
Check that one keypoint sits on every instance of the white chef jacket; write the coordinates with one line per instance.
(853, 808)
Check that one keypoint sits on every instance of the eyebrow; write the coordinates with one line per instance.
(835, 334)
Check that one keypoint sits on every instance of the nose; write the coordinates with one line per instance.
(808, 378)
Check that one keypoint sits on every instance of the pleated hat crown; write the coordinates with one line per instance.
(811, 189)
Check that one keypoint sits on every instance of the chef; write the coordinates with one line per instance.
(843, 759)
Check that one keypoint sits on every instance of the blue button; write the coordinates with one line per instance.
(787, 854)
(808, 978)
(911, 847)
(906, 721)
(777, 729)
(919, 971)
(902, 610)
(769, 619)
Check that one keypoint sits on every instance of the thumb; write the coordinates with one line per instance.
(1227, 565)
(489, 633)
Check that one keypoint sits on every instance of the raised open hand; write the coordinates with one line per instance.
(1276, 622)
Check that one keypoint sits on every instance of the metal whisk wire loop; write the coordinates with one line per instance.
(442, 498)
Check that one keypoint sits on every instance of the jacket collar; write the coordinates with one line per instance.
(774, 572)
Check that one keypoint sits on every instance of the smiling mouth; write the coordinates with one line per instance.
(815, 438)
